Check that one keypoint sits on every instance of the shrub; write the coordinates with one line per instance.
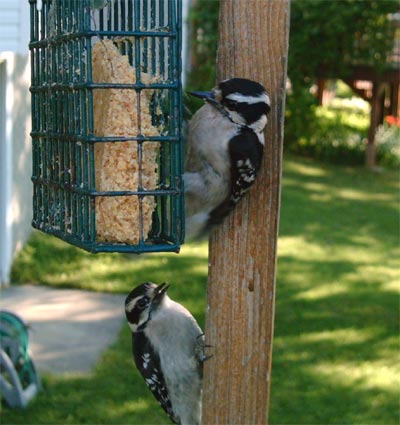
(388, 143)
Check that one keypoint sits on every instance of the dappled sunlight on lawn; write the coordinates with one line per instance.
(335, 269)
(324, 192)
(132, 407)
(67, 266)
(339, 336)
(305, 169)
(349, 373)
(114, 393)
(336, 323)
(362, 374)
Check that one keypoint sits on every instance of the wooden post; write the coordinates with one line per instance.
(395, 99)
(375, 114)
(253, 44)
(321, 91)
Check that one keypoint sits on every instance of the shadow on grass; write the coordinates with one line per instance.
(329, 353)
(325, 204)
(113, 394)
(336, 365)
(350, 305)
(47, 260)
(337, 316)
(307, 396)
(336, 326)
(335, 357)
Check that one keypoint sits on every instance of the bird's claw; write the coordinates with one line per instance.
(200, 349)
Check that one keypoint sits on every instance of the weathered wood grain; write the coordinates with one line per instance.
(253, 44)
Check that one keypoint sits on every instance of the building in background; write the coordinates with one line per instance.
(15, 124)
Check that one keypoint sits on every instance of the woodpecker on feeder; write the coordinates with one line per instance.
(223, 151)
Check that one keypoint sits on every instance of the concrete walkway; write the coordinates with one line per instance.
(69, 328)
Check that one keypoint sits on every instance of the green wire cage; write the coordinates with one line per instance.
(106, 123)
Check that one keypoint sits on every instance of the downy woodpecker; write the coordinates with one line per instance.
(223, 151)
(168, 349)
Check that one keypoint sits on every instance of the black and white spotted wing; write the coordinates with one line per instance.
(246, 153)
(148, 363)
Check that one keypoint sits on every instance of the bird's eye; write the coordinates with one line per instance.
(142, 303)
(230, 103)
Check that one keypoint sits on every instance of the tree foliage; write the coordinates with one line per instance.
(325, 35)
(327, 38)
(331, 36)
(203, 30)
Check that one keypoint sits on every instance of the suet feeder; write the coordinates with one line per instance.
(106, 123)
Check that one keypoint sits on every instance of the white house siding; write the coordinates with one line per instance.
(22, 154)
(14, 26)
(15, 158)
(15, 124)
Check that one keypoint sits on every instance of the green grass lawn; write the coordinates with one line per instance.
(336, 351)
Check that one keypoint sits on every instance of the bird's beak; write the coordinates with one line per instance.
(208, 96)
(159, 293)
(203, 94)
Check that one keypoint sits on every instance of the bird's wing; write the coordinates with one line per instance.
(148, 363)
(246, 152)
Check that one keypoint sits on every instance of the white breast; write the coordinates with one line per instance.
(207, 167)
(209, 131)
(174, 329)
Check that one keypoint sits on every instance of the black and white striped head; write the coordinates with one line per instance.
(243, 101)
(142, 302)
